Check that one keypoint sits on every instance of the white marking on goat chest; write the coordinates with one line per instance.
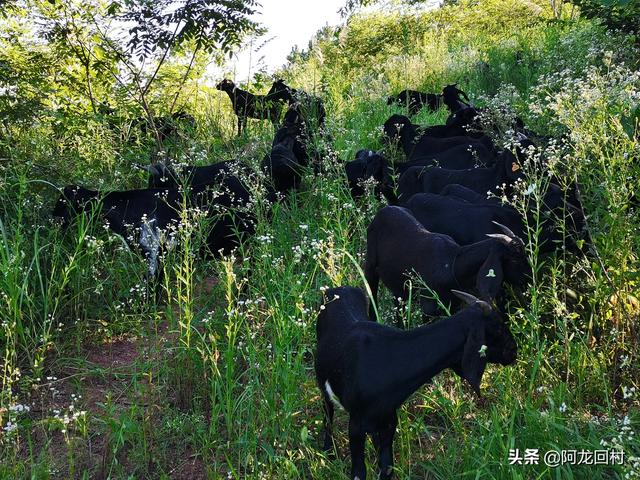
(332, 396)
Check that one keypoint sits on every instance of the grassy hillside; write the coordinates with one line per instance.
(100, 380)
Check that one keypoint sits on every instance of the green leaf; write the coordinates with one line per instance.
(630, 123)
(614, 3)
(113, 8)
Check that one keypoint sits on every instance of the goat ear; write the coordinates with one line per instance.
(490, 275)
(474, 360)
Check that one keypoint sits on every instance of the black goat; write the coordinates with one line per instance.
(468, 222)
(372, 165)
(452, 98)
(459, 157)
(463, 221)
(247, 105)
(414, 101)
(464, 119)
(417, 145)
(369, 165)
(282, 166)
(288, 156)
(165, 176)
(168, 127)
(432, 180)
(293, 130)
(356, 171)
(398, 246)
(144, 217)
(370, 369)
(136, 215)
(309, 107)
(556, 205)
(463, 193)
(446, 131)
(459, 124)
(467, 119)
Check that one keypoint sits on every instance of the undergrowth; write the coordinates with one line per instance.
(101, 379)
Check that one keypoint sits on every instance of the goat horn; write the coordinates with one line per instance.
(486, 308)
(502, 237)
(465, 297)
(469, 299)
(505, 229)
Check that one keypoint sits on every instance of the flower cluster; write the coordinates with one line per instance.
(69, 417)
(624, 441)
(12, 417)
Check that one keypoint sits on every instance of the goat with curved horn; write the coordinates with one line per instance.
(505, 229)
(469, 299)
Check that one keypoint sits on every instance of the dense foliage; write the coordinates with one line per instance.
(138, 58)
(100, 380)
(619, 14)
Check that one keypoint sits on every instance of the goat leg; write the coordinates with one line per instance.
(239, 125)
(328, 425)
(384, 440)
(357, 436)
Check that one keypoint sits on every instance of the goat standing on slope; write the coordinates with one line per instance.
(414, 101)
(309, 107)
(398, 245)
(418, 143)
(503, 174)
(452, 97)
(246, 104)
(370, 369)
(145, 216)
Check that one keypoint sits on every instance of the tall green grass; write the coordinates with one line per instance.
(216, 379)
